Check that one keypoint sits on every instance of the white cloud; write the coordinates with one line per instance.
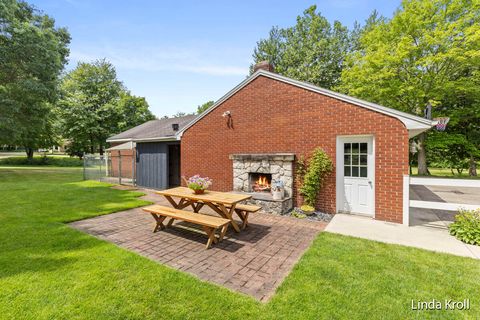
(193, 60)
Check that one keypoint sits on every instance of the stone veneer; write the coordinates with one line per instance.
(279, 165)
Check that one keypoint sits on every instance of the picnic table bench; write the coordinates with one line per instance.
(209, 223)
(243, 211)
(222, 203)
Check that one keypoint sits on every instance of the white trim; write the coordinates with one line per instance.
(406, 200)
(339, 178)
(411, 122)
(442, 205)
(119, 140)
(469, 183)
(159, 139)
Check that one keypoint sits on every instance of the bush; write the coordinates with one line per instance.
(318, 168)
(466, 226)
(42, 161)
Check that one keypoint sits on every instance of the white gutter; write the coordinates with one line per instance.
(159, 139)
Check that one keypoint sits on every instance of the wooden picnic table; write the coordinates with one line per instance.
(223, 203)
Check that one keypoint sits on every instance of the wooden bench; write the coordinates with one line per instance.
(243, 210)
(209, 223)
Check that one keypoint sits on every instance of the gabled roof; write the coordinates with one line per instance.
(414, 124)
(154, 130)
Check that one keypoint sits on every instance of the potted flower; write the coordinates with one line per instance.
(199, 184)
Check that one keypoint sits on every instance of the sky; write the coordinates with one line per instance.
(180, 54)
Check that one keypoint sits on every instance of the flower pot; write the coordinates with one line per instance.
(199, 191)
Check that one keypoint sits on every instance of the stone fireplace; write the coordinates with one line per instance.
(260, 182)
(255, 174)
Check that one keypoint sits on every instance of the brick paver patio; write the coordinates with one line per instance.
(254, 261)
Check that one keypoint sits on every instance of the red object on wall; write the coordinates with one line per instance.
(272, 116)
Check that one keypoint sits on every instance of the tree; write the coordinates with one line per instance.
(133, 111)
(201, 108)
(413, 58)
(89, 107)
(313, 50)
(462, 105)
(33, 53)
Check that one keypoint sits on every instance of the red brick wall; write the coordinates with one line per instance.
(270, 116)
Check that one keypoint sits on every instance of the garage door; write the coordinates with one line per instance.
(152, 164)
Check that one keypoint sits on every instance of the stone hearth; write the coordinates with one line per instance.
(279, 165)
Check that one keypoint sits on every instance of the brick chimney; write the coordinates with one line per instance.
(264, 65)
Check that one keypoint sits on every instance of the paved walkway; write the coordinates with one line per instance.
(254, 261)
(433, 239)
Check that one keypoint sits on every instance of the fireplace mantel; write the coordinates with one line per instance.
(263, 156)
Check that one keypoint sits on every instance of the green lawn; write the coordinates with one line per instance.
(445, 173)
(50, 271)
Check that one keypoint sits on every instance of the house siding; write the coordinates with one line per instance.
(270, 116)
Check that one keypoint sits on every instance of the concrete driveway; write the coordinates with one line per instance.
(445, 194)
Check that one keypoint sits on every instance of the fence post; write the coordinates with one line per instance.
(119, 168)
(106, 164)
(101, 171)
(84, 164)
(133, 168)
(406, 200)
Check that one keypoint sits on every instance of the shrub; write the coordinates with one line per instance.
(466, 226)
(318, 168)
(42, 161)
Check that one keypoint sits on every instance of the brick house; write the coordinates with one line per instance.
(260, 128)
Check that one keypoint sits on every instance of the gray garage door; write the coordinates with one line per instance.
(152, 165)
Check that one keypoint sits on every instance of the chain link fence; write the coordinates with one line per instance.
(113, 167)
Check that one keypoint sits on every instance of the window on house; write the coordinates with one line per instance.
(355, 159)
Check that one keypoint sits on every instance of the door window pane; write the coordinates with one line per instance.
(363, 159)
(363, 172)
(355, 148)
(347, 171)
(346, 159)
(363, 147)
(355, 171)
(355, 160)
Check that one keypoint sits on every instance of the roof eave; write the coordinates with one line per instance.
(157, 139)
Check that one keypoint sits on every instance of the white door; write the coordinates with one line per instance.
(357, 168)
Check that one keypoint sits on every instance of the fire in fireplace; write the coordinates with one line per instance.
(260, 182)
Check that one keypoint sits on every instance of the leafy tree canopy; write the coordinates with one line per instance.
(33, 53)
(96, 105)
(428, 52)
(313, 50)
(134, 111)
(201, 108)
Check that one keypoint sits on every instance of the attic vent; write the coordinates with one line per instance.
(175, 126)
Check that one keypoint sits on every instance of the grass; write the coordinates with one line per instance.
(445, 173)
(52, 160)
(51, 271)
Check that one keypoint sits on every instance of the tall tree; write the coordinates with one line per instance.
(313, 50)
(133, 111)
(201, 108)
(33, 53)
(89, 107)
(413, 58)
